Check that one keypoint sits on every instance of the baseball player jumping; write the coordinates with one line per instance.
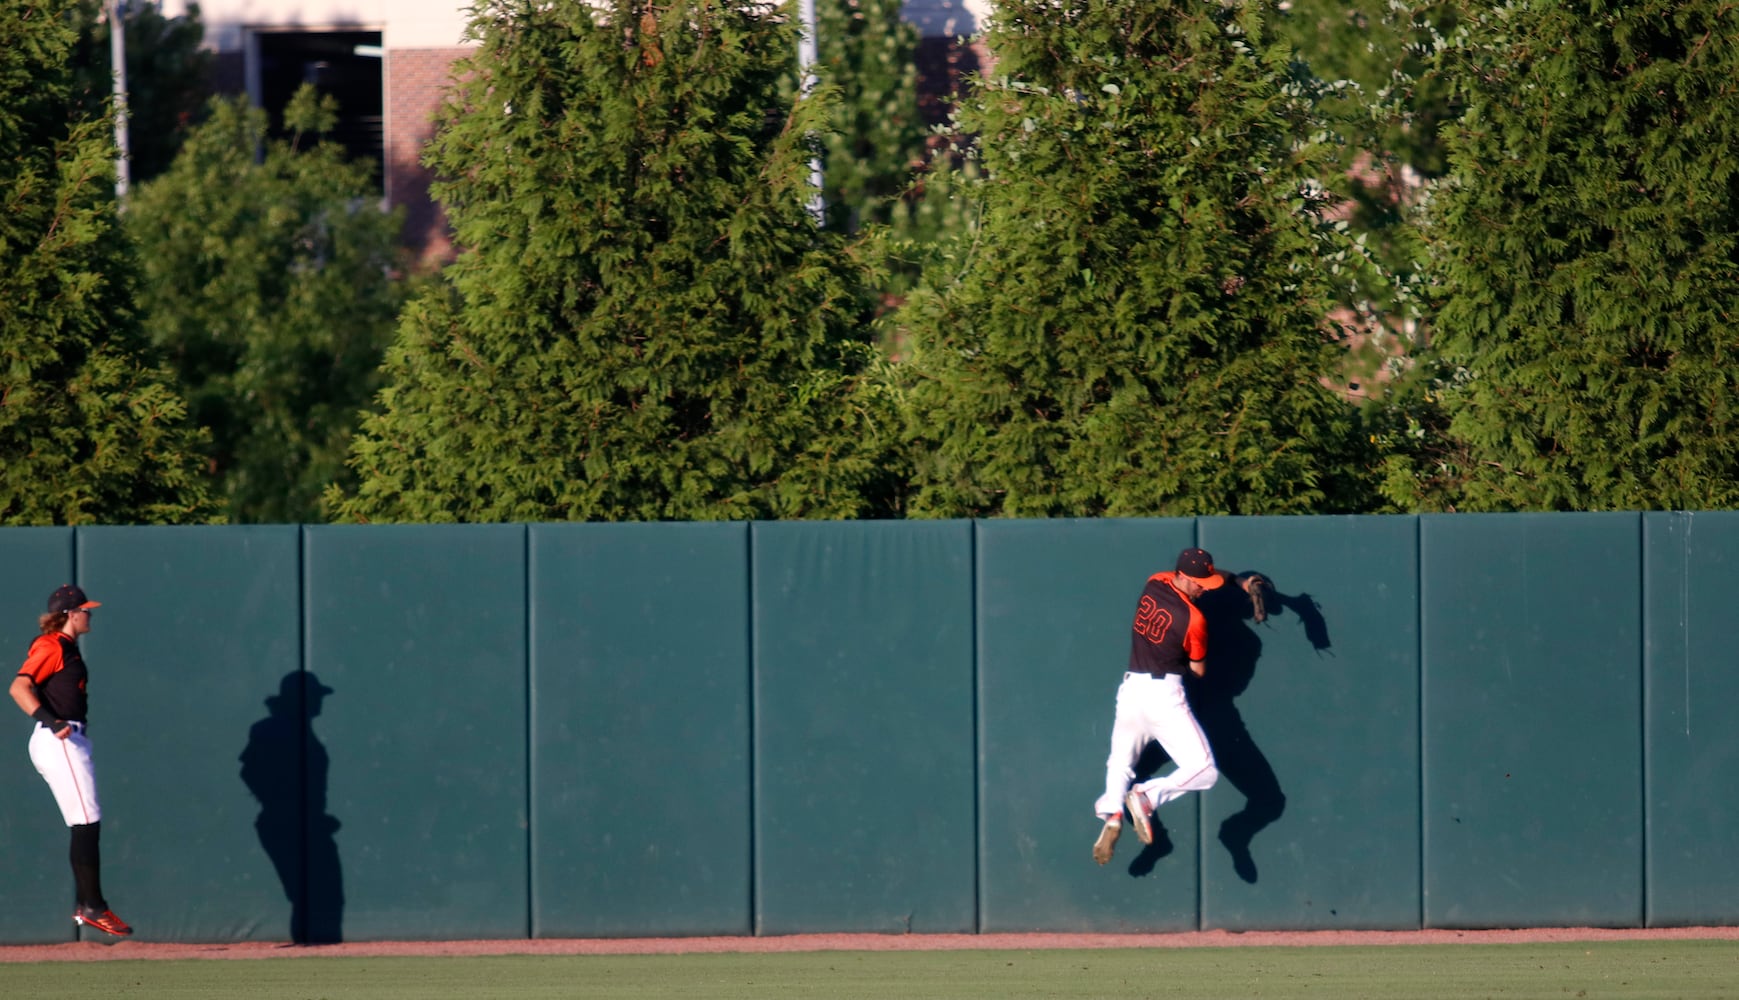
(1170, 634)
(50, 688)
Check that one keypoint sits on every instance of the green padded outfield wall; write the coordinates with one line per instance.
(640, 715)
(1326, 688)
(1691, 577)
(441, 732)
(1532, 716)
(420, 633)
(863, 722)
(1313, 717)
(1054, 604)
(198, 638)
(33, 838)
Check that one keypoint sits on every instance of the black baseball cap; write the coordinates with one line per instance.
(1199, 567)
(70, 598)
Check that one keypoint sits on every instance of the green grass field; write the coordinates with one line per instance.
(1620, 970)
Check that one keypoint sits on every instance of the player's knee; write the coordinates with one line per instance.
(1206, 778)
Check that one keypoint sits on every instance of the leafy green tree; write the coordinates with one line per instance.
(882, 180)
(272, 282)
(168, 77)
(645, 322)
(1585, 260)
(92, 429)
(1138, 325)
(1389, 114)
(867, 52)
(1394, 111)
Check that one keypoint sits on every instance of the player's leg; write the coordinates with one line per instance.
(1176, 729)
(87, 870)
(66, 767)
(1128, 735)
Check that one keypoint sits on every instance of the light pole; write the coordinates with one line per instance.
(118, 60)
(806, 57)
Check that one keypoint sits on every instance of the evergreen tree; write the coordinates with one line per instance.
(645, 322)
(271, 282)
(92, 429)
(168, 77)
(1585, 255)
(1138, 325)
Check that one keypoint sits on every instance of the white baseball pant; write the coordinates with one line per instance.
(66, 766)
(1155, 708)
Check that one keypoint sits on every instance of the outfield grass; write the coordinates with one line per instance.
(1619, 970)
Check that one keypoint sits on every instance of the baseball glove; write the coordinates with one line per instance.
(1257, 586)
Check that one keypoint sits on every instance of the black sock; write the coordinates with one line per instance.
(87, 865)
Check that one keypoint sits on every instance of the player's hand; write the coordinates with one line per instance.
(59, 727)
(1257, 585)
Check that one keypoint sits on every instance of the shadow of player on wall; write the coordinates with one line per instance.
(1233, 651)
(285, 766)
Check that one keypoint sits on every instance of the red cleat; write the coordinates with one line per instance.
(102, 920)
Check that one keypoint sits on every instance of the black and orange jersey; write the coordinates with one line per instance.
(1169, 630)
(57, 669)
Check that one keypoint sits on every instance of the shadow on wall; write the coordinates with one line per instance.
(1233, 651)
(285, 766)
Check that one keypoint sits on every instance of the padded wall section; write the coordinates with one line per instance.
(1532, 638)
(197, 719)
(863, 721)
(1054, 606)
(33, 865)
(420, 633)
(1314, 720)
(640, 709)
(1691, 566)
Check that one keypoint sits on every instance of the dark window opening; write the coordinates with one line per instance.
(344, 64)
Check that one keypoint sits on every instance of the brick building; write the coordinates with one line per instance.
(387, 61)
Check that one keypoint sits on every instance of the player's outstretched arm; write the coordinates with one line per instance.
(1257, 586)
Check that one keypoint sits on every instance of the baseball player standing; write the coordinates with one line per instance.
(50, 688)
(1170, 635)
